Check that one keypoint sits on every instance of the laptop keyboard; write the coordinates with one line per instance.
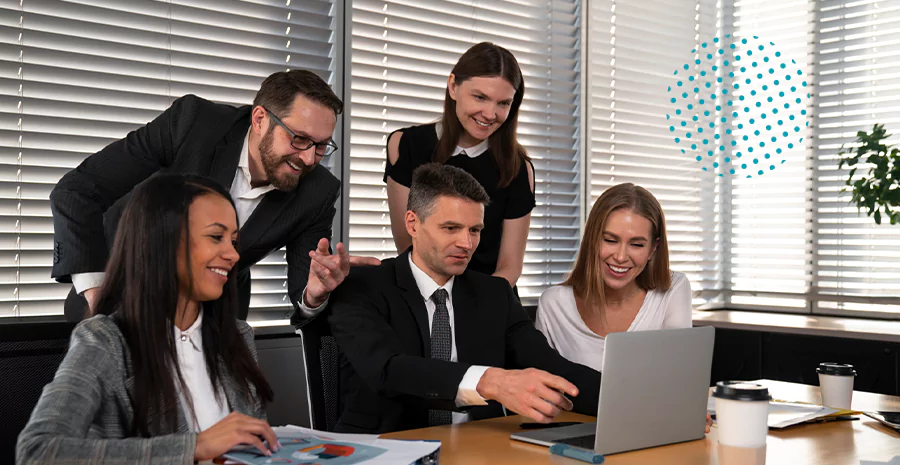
(585, 442)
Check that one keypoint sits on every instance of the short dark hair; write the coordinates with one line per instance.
(278, 91)
(433, 180)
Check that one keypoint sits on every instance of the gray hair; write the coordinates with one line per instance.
(434, 180)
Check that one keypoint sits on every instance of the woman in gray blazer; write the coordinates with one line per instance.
(164, 373)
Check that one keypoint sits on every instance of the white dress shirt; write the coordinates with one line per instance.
(466, 395)
(246, 199)
(208, 410)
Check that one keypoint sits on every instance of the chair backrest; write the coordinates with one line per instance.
(322, 356)
(30, 353)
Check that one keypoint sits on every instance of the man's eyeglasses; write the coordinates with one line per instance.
(304, 143)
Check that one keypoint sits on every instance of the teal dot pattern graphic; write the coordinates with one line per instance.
(739, 107)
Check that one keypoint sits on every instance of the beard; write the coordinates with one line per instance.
(272, 165)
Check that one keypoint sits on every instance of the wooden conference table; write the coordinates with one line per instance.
(832, 443)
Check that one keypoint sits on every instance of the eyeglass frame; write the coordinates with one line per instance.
(294, 138)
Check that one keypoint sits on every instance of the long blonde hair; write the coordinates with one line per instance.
(586, 278)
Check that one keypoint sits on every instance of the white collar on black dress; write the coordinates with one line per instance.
(471, 152)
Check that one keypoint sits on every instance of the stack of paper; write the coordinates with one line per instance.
(783, 414)
(306, 446)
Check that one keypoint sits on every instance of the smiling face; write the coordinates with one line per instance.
(444, 241)
(211, 245)
(627, 245)
(283, 164)
(482, 105)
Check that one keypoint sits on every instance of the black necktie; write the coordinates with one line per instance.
(441, 341)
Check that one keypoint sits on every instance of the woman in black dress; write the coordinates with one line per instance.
(477, 133)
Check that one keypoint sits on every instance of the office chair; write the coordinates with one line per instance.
(30, 353)
(322, 357)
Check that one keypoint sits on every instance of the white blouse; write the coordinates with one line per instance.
(189, 346)
(566, 331)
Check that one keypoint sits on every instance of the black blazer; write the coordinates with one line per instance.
(192, 136)
(388, 380)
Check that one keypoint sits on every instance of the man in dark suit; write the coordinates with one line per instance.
(426, 342)
(267, 154)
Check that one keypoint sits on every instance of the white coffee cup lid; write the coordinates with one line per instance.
(836, 369)
(741, 390)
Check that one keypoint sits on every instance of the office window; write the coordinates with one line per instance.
(634, 47)
(76, 76)
(856, 263)
(403, 51)
(768, 244)
(800, 245)
(786, 239)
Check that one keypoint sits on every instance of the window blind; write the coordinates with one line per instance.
(634, 49)
(77, 75)
(797, 244)
(402, 53)
(768, 238)
(855, 266)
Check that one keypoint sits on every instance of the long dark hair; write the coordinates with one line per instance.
(487, 60)
(141, 293)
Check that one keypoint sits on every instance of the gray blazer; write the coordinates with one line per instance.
(85, 414)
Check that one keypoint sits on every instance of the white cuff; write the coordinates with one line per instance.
(466, 394)
(308, 311)
(85, 281)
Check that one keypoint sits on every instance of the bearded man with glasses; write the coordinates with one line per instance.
(267, 154)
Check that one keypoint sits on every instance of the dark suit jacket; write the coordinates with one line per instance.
(388, 380)
(192, 136)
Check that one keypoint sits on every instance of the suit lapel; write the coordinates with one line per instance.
(465, 322)
(268, 210)
(228, 153)
(413, 297)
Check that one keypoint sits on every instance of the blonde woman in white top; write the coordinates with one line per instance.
(621, 280)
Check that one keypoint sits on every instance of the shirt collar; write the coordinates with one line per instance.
(244, 166)
(192, 334)
(426, 285)
(244, 161)
(471, 152)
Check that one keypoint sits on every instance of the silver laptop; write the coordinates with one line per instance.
(654, 392)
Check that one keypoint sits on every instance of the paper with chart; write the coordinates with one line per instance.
(303, 446)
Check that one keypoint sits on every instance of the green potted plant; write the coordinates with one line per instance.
(880, 187)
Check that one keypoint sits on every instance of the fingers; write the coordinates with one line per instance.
(557, 383)
(253, 440)
(264, 430)
(253, 429)
(364, 261)
(322, 247)
(328, 264)
(546, 408)
(554, 398)
(232, 430)
(535, 415)
(342, 252)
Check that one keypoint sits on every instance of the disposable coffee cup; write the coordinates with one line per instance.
(836, 384)
(742, 413)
